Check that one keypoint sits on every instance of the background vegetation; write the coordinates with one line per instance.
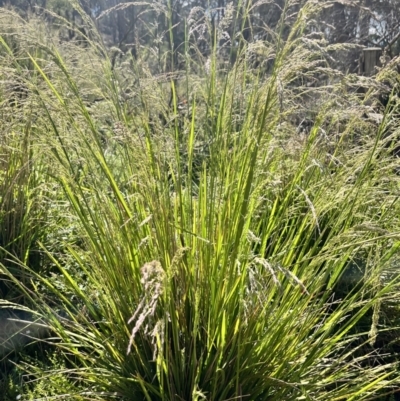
(198, 201)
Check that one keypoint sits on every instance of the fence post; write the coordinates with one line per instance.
(370, 59)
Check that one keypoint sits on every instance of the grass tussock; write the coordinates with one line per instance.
(201, 242)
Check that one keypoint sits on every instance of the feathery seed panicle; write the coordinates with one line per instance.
(153, 277)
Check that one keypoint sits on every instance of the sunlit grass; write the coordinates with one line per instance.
(209, 251)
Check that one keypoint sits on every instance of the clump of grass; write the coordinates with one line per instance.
(21, 214)
(230, 251)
